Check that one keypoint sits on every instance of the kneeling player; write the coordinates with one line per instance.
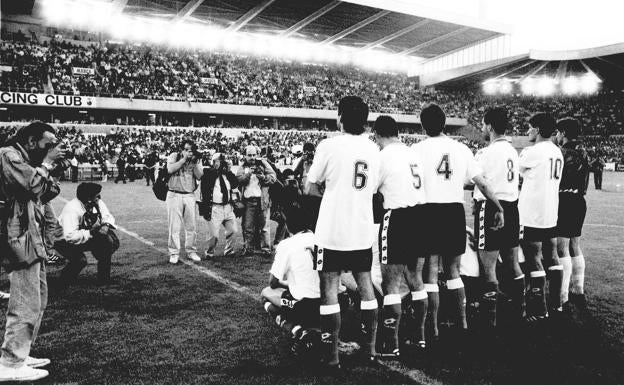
(541, 166)
(293, 295)
(572, 207)
(499, 162)
(401, 185)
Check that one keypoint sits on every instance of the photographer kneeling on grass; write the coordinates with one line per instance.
(87, 226)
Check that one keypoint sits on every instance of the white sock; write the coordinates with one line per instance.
(566, 262)
(578, 275)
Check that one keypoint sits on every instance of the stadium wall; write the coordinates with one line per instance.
(87, 102)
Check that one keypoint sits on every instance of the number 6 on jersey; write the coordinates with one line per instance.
(360, 175)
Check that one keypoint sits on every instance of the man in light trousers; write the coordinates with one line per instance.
(185, 169)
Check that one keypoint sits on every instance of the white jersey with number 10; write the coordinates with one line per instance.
(541, 166)
(349, 166)
(447, 165)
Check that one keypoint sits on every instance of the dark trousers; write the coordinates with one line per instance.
(253, 222)
(598, 180)
(74, 174)
(149, 175)
(77, 260)
(121, 175)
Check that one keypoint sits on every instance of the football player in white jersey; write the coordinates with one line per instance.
(401, 187)
(541, 166)
(499, 162)
(293, 295)
(446, 166)
(348, 165)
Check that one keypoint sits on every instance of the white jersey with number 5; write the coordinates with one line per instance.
(540, 166)
(499, 162)
(447, 165)
(399, 177)
(349, 166)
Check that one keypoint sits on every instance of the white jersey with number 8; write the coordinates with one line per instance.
(540, 166)
(447, 165)
(349, 166)
(499, 162)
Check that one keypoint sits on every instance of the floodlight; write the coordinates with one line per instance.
(490, 86)
(505, 86)
(570, 85)
(589, 84)
(55, 11)
(528, 86)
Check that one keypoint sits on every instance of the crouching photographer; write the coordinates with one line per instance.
(216, 204)
(87, 226)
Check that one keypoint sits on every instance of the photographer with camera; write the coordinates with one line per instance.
(304, 164)
(216, 204)
(185, 170)
(254, 177)
(25, 187)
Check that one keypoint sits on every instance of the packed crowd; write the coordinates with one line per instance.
(148, 72)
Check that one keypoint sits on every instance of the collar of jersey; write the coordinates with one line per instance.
(502, 139)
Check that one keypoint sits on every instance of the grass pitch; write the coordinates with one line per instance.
(163, 324)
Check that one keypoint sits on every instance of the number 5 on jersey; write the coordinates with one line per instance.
(360, 175)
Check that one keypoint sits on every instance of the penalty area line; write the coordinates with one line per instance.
(415, 375)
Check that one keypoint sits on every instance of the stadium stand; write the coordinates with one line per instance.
(147, 72)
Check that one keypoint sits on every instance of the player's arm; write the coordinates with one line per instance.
(483, 185)
(276, 283)
(316, 174)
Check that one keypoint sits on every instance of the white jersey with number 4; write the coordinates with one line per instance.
(499, 162)
(349, 167)
(447, 165)
(399, 177)
(540, 166)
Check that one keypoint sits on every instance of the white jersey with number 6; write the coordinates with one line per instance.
(447, 165)
(499, 162)
(399, 177)
(349, 166)
(540, 166)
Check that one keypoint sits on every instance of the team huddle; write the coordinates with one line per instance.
(421, 231)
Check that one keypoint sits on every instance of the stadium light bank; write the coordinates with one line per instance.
(585, 84)
(101, 16)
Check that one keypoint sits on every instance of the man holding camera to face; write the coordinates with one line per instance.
(216, 204)
(185, 170)
(254, 177)
(25, 187)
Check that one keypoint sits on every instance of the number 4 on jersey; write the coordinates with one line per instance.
(444, 168)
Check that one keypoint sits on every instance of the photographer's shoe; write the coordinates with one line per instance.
(173, 259)
(194, 257)
(23, 373)
(37, 362)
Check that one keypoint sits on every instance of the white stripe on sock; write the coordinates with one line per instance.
(392, 299)
(537, 274)
(329, 309)
(370, 305)
(431, 288)
(419, 295)
(454, 284)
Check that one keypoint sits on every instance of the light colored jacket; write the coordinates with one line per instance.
(71, 219)
(23, 191)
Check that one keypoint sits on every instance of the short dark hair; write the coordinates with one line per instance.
(35, 129)
(353, 114)
(188, 141)
(544, 122)
(433, 120)
(570, 127)
(497, 118)
(86, 190)
(307, 146)
(386, 127)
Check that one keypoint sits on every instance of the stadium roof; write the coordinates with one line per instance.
(403, 31)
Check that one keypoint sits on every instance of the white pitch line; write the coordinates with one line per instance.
(604, 225)
(413, 374)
